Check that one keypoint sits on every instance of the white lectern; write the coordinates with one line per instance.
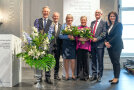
(10, 66)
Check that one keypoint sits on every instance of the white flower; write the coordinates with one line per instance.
(31, 53)
(38, 53)
(24, 37)
(35, 29)
(35, 32)
(45, 47)
(43, 53)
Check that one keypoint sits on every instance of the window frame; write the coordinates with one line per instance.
(120, 8)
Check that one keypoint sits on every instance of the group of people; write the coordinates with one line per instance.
(76, 54)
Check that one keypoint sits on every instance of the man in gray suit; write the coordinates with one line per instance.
(43, 25)
(97, 45)
(56, 42)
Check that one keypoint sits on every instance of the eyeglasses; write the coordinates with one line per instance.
(98, 12)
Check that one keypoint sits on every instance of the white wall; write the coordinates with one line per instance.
(80, 8)
(11, 11)
(108, 6)
(32, 9)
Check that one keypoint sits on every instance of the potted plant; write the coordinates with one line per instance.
(35, 51)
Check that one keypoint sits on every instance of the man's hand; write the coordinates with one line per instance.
(94, 39)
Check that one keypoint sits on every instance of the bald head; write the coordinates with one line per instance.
(55, 17)
(98, 14)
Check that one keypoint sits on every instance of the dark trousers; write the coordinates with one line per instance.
(57, 57)
(115, 59)
(97, 61)
(82, 63)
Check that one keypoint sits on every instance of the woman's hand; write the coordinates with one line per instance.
(83, 39)
(71, 37)
(107, 44)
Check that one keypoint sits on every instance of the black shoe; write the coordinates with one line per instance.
(93, 78)
(57, 78)
(114, 82)
(110, 80)
(84, 79)
(48, 80)
(99, 79)
(66, 79)
(74, 79)
(39, 81)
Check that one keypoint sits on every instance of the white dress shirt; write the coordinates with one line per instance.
(56, 27)
(97, 24)
(110, 29)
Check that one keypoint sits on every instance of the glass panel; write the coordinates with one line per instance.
(128, 17)
(127, 3)
(128, 31)
(128, 46)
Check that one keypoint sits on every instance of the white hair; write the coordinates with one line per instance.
(100, 11)
(46, 7)
(56, 13)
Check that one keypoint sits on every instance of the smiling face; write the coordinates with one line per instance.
(112, 17)
(69, 19)
(46, 12)
(83, 21)
(55, 17)
(98, 14)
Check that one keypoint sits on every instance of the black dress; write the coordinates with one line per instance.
(68, 46)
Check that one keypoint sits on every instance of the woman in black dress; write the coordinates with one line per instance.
(68, 48)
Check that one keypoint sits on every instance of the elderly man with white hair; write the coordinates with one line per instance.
(43, 24)
(98, 27)
(56, 42)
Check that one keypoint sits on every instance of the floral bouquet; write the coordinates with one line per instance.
(85, 33)
(67, 31)
(71, 30)
(35, 51)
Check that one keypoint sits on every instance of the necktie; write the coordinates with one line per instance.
(94, 28)
(44, 23)
(55, 29)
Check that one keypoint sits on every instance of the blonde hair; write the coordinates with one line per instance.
(69, 16)
(83, 17)
(46, 7)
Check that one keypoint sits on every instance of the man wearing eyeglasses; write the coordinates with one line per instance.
(98, 27)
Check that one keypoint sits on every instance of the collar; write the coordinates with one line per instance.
(45, 18)
(55, 23)
(99, 20)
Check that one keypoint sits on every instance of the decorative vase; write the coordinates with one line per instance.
(38, 76)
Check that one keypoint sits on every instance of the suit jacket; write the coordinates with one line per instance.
(100, 33)
(56, 42)
(39, 24)
(115, 36)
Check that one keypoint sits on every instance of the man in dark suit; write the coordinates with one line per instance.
(56, 42)
(43, 25)
(97, 45)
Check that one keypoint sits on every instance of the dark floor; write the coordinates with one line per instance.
(126, 83)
